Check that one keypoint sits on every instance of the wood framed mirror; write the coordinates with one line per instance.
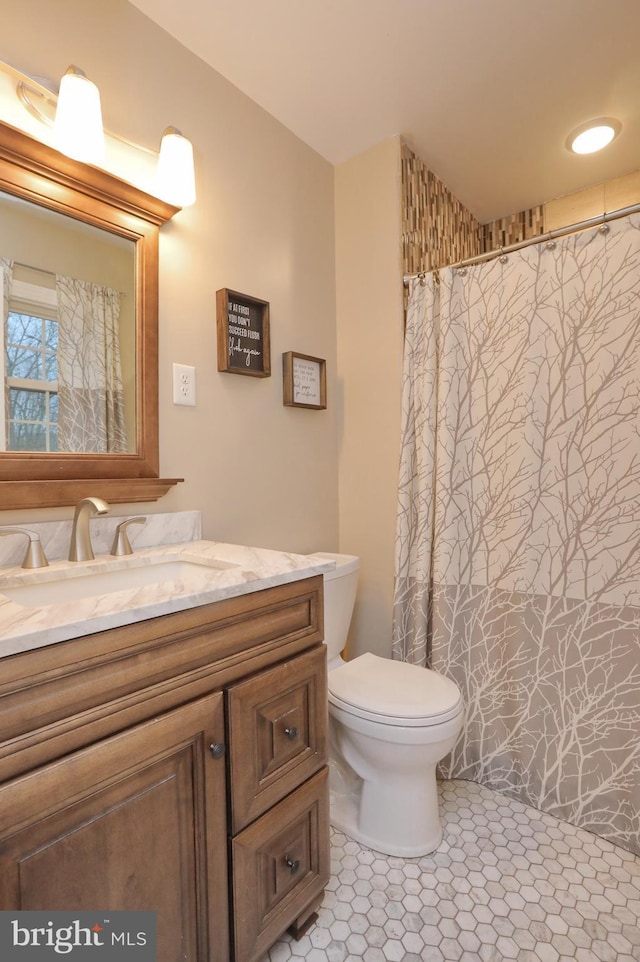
(59, 197)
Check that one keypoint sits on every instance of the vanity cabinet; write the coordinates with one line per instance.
(177, 764)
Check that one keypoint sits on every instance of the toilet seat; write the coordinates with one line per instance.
(393, 692)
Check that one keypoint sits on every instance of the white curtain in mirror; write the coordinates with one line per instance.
(91, 410)
(6, 272)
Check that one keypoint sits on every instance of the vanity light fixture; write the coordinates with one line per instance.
(78, 124)
(176, 178)
(593, 136)
(78, 130)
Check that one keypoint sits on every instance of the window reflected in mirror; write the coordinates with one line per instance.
(32, 380)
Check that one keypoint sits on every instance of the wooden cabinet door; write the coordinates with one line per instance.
(133, 822)
(278, 733)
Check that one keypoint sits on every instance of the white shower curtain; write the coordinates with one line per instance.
(518, 537)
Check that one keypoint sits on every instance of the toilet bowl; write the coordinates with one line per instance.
(393, 722)
(390, 723)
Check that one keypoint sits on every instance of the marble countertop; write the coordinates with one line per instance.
(223, 571)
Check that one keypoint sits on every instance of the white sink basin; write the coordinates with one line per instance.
(86, 583)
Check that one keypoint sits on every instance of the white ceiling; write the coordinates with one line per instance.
(485, 91)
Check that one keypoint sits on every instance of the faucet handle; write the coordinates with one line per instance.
(35, 556)
(121, 544)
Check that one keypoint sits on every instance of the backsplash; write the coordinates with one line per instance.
(171, 528)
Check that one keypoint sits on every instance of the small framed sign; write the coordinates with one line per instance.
(304, 381)
(243, 334)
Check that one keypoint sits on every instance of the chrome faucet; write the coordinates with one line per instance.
(35, 556)
(80, 548)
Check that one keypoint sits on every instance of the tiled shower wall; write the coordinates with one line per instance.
(438, 230)
(513, 229)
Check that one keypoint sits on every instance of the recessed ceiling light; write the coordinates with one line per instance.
(593, 136)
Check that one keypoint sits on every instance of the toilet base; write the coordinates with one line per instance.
(344, 815)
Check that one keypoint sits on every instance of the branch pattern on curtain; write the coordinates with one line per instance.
(518, 538)
(90, 397)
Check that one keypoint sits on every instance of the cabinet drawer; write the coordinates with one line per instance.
(280, 865)
(278, 733)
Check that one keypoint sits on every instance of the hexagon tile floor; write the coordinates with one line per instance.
(507, 882)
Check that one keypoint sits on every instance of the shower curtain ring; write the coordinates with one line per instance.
(551, 244)
(604, 227)
(503, 256)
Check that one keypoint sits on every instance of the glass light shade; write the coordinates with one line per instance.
(593, 136)
(78, 123)
(176, 177)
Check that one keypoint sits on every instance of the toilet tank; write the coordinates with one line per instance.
(339, 598)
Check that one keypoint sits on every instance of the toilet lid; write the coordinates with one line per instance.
(399, 693)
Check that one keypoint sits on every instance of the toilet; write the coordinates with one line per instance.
(390, 723)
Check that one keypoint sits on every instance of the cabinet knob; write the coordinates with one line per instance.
(217, 749)
(293, 864)
(291, 733)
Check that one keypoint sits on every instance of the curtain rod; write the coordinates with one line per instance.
(32, 267)
(601, 219)
(42, 270)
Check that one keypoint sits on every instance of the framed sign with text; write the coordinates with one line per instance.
(243, 334)
(304, 382)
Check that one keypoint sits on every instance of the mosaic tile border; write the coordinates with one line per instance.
(514, 229)
(437, 229)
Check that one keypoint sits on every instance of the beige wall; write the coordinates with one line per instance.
(370, 327)
(263, 224)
